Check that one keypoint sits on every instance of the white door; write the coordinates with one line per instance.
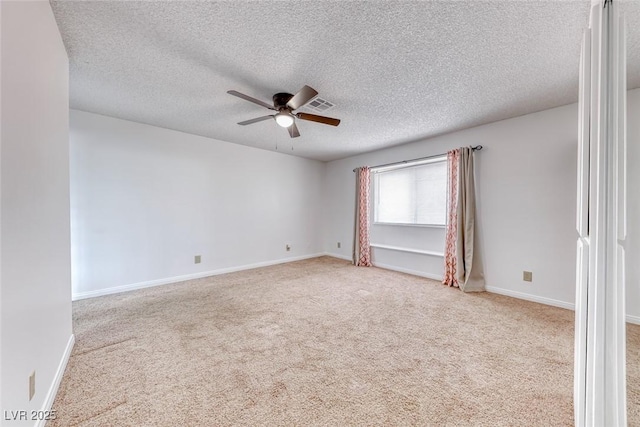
(600, 367)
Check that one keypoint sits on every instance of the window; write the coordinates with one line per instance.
(414, 195)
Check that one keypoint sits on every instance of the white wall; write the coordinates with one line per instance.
(526, 181)
(35, 256)
(146, 200)
(426, 239)
(633, 205)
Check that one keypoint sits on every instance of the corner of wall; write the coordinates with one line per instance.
(47, 406)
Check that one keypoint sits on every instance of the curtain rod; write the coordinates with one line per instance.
(476, 148)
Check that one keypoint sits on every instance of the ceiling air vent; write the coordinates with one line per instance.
(319, 105)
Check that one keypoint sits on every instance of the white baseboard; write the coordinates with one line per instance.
(344, 257)
(547, 301)
(633, 319)
(141, 285)
(147, 284)
(409, 271)
(507, 292)
(529, 297)
(57, 379)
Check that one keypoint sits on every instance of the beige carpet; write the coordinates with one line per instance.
(320, 343)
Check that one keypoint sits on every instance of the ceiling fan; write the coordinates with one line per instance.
(284, 104)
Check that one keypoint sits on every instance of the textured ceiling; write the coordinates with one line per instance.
(397, 71)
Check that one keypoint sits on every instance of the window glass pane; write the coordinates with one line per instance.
(412, 195)
(431, 193)
(395, 201)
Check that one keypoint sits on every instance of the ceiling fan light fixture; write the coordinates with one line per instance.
(284, 105)
(284, 119)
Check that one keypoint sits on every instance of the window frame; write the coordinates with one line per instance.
(374, 189)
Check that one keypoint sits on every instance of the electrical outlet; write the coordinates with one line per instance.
(338, 245)
(32, 385)
(197, 259)
(527, 276)
(288, 248)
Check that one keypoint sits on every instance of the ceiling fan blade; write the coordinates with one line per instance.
(319, 119)
(256, 120)
(293, 130)
(250, 99)
(303, 96)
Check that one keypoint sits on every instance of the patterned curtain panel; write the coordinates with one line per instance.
(361, 246)
(450, 257)
(462, 264)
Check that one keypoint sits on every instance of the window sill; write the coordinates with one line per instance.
(401, 249)
(397, 224)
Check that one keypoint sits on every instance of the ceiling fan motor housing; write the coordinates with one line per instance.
(280, 100)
